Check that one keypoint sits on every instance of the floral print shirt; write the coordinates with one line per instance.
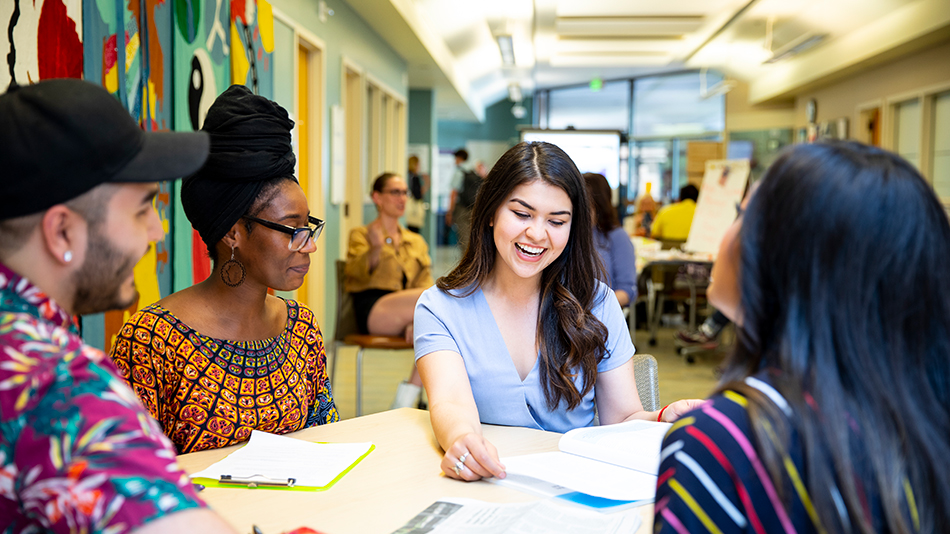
(78, 452)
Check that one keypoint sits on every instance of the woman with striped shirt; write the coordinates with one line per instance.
(833, 414)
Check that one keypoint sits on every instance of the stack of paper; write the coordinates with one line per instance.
(313, 466)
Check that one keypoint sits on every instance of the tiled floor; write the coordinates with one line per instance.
(382, 370)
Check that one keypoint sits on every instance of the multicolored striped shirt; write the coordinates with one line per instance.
(78, 452)
(713, 478)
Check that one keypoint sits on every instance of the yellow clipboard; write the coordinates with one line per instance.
(262, 482)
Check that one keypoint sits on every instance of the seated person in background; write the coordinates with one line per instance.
(673, 222)
(521, 332)
(833, 414)
(78, 453)
(387, 268)
(707, 333)
(612, 243)
(223, 357)
(644, 213)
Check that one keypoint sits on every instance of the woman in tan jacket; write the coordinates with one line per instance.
(387, 268)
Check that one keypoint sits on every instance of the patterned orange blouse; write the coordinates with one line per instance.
(209, 393)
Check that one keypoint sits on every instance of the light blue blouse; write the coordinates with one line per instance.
(466, 326)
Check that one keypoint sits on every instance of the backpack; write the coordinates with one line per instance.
(471, 181)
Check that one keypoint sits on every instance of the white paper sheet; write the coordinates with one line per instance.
(281, 457)
(584, 475)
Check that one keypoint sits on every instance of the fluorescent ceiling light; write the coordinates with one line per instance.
(799, 45)
(514, 93)
(507, 49)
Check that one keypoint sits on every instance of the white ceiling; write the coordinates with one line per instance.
(450, 45)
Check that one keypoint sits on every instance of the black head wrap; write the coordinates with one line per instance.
(250, 144)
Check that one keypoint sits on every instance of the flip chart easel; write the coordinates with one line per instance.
(722, 188)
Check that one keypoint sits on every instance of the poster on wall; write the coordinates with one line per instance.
(201, 73)
(252, 39)
(42, 39)
(723, 186)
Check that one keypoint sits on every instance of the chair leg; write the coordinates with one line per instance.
(359, 382)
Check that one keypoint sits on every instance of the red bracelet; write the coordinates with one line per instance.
(659, 416)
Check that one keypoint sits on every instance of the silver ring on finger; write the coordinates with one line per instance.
(462, 458)
(458, 468)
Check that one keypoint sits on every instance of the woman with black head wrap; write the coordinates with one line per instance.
(221, 358)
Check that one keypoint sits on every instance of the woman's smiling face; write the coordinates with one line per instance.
(531, 228)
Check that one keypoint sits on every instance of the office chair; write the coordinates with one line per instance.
(648, 383)
(346, 333)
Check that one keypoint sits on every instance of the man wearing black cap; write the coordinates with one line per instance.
(78, 452)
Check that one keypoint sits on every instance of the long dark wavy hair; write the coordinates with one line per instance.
(604, 212)
(845, 299)
(571, 339)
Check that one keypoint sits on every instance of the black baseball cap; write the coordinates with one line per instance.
(61, 138)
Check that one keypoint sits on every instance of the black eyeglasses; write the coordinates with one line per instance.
(298, 236)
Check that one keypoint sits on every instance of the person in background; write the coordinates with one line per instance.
(480, 169)
(612, 243)
(673, 221)
(464, 185)
(645, 213)
(223, 357)
(418, 186)
(833, 413)
(522, 332)
(78, 452)
(387, 268)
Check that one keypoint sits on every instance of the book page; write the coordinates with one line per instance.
(584, 475)
(281, 457)
(633, 444)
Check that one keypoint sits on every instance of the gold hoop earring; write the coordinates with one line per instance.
(228, 268)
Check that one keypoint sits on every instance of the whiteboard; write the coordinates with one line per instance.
(721, 191)
(596, 151)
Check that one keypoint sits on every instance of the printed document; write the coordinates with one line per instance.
(280, 457)
(478, 517)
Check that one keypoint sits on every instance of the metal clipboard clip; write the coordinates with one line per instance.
(254, 481)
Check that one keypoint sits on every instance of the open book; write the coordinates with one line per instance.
(618, 463)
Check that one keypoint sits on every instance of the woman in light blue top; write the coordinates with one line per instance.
(612, 242)
(523, 332)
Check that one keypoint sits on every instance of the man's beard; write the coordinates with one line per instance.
(100, 280)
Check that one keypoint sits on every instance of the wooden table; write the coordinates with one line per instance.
(388, 488)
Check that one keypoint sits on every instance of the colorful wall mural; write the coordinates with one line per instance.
(252, 35)
(201, 73)
(138, 74)
(41, 39)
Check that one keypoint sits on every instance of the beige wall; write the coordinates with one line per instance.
(908, 74)
(743, 116)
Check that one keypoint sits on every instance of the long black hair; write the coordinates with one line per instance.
(570, 338)
(845, 297)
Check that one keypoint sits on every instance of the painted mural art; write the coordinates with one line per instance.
(138, 74)
(252, 36)
(201, 72)
(41, 39)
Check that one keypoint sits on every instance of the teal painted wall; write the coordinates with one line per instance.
(345, 34)
(500, 125)
(423, 127)
(422, 119)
